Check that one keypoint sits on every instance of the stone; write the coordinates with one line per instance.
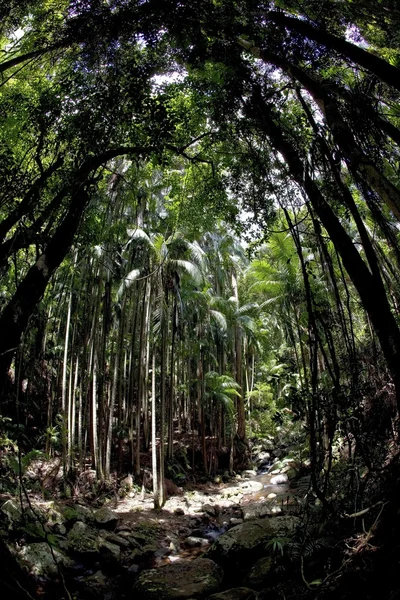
(260, 572)
(262, 458)
(256, 511)
(109, 552)
(38, 559)
(195, 542)
(82, 540)
(12, 512)
(240, 546)
(76, 512)
(279, 479)
(179, 511)
(235, 521)
(249, 473)
(251, 487)
(98, 587)
(106, 518)
(210, 510)
(181, 580)
(240, 593)
(114, 538)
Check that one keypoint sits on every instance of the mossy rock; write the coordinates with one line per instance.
(76, 512)
(39, 559)
(82, 540)
(182, 580)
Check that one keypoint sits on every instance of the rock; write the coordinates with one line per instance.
(195, 542)
(279, 479)
(240, 593)
(250, 487)
(249, 473)
(106, 518)
(133, 569)
(141, 554)
(114, 538)
(235, 521)
(161, 552)
(210, 510)
(256, 511)
(271, 496)
(109, 552)
(240, 546)
(181, 580)
(82, 540)
(259, 572)
(98, 587)
(38, 559)
(76, 512)
(58, 528)
(12, 512)
(179, 511)
(262, 458)
(279, 452)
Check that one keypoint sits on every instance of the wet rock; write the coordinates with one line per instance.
(181, 580)
(240, 593)
(235, 521)
(106, 518)
(39, 559)
(260, 572)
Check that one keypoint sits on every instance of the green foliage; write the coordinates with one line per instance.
(19, 464)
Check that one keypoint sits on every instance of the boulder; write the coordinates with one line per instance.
(12, 513)
(262, 458)
(105, 517)
(210, 510)
(259, 510)
(195, 542)
(98, 587)
(82, 540)
(239, 593)
(251, 487)
(110, 553)
(114, 538)
(279, 479)
(40, 559)
(239, 547)
(76, 512)
(181, 580)
(259, 573)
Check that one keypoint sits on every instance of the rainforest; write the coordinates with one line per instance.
(199, 299)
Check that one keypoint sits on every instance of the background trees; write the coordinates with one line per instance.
(145, 148)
